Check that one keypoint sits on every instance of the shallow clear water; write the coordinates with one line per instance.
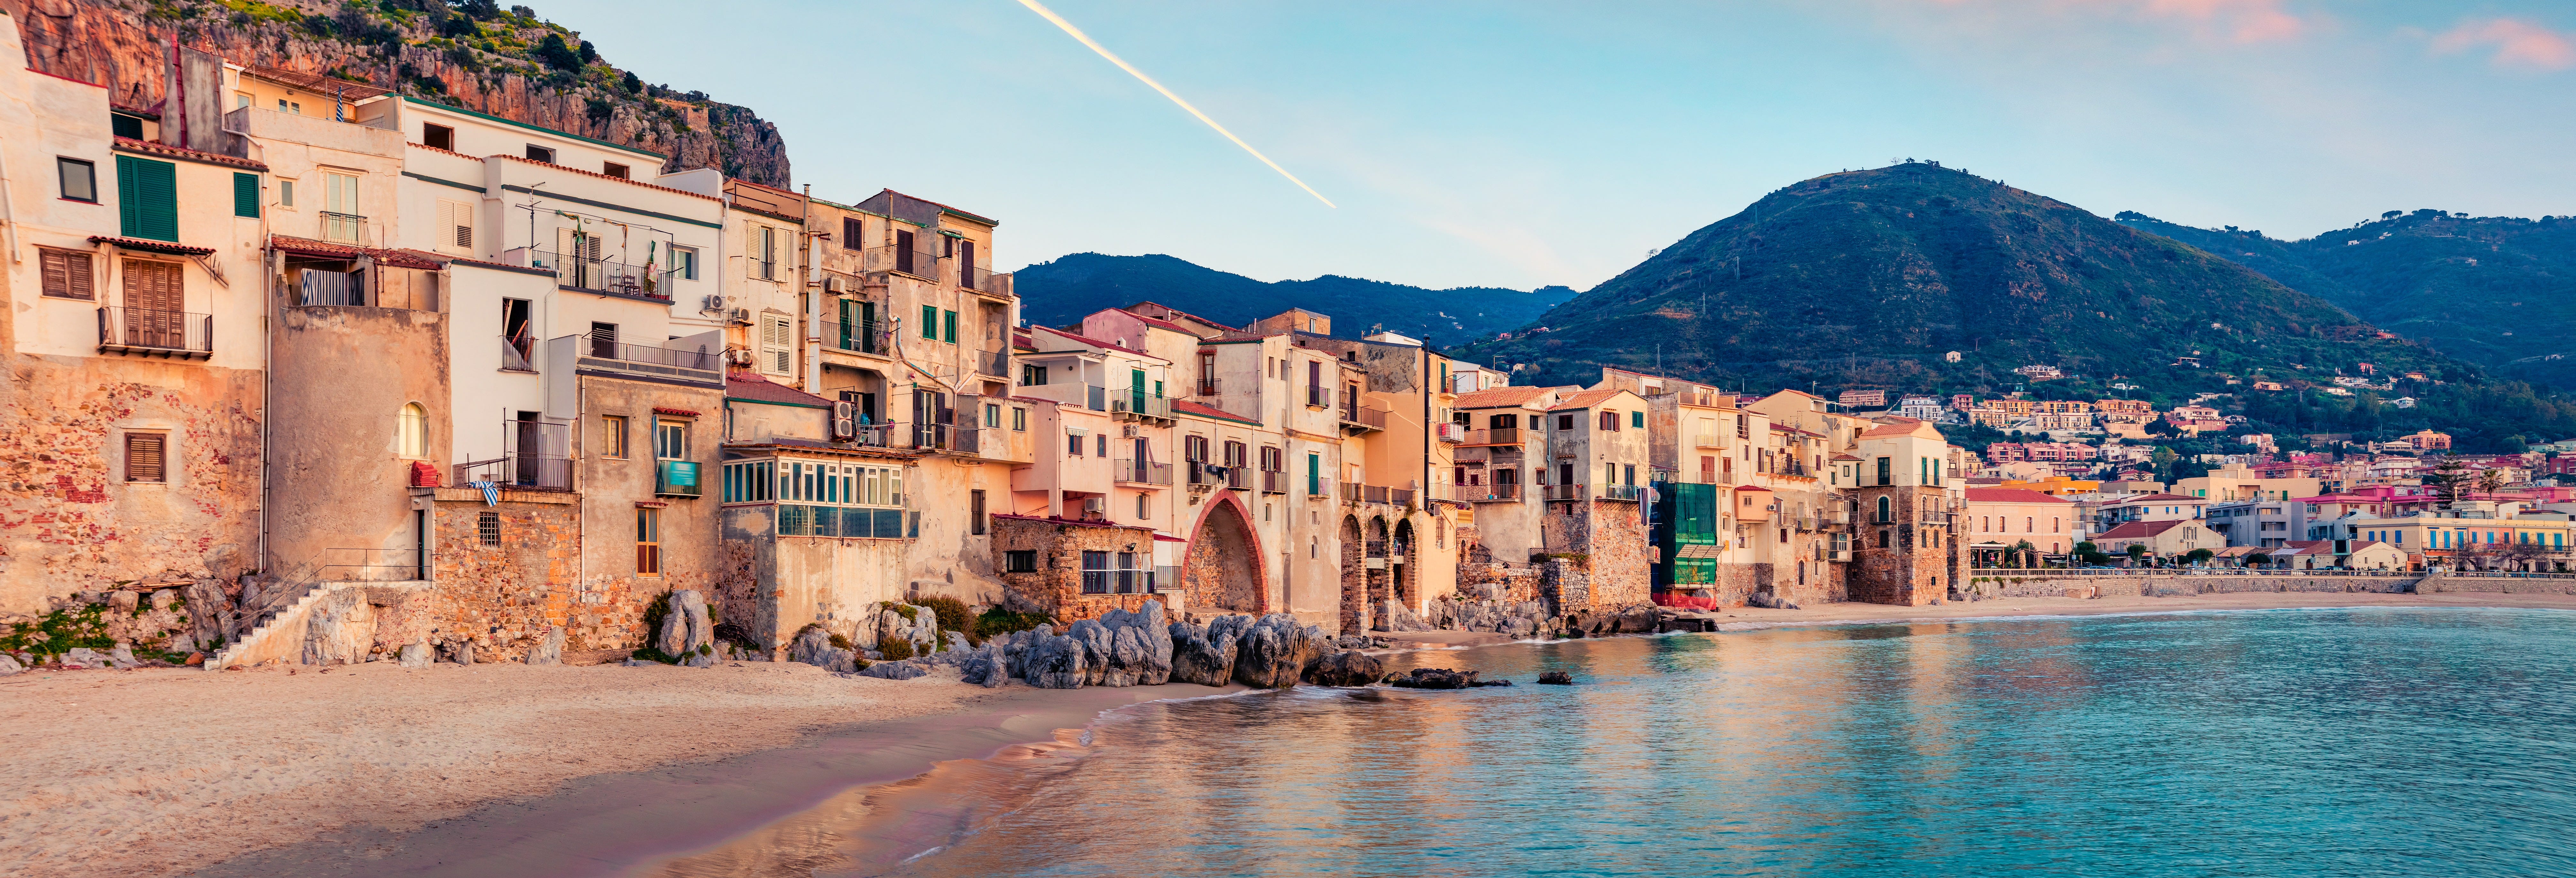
(2274, 743)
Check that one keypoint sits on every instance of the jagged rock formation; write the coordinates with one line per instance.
(477, 55)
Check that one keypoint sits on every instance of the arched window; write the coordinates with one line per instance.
(1886, 509)
(411, 432)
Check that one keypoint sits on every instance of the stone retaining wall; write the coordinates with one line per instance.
(2432, 584)
(2176, 586)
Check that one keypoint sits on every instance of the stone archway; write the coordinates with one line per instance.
(1378, 575)
(1355, 613)
(1223, 567)
(1404, 566)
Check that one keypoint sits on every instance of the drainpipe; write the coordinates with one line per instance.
(9, 210)
(813, 301)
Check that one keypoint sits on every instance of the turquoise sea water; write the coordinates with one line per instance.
(2271, 743)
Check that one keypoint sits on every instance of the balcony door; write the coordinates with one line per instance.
(152, 302)
(340, 219)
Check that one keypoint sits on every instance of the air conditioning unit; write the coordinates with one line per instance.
(739, 316)
(713, 303)
(833, 285)
(845, 423)
(1096, 506)
(1126, 431)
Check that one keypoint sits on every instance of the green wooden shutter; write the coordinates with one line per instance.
(147, 194)
(1314, 475)
(930, 322)
(951, 317)
(246, 195)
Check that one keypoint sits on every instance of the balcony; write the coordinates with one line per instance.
(1490, 493)
(1450, 433)
(598, 356)
(1360, 419)
(1210, 386)
(521, 472)
(1350, 492)
(1494, 436)
(1141, 472)
(857, 336)
(1274, 482)
(1320, 489)
(152, 332)
(343, 228)
(1838, 555)
(1203, 474)
(1708, 441)
(1629, 493)
(1138, 405)
(993, 364)
(1319, 397)
(981, 279)
(605, 276)
(1566, 492)
(675, 478)
(518, 353)
(922, 264)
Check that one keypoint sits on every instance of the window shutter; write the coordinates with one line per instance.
(456, 226)
(778, 336)
(67, 273)
(951, 318)
(145, 457)
(853, 233)
(147, 198)
(930, 322)
(246, 195)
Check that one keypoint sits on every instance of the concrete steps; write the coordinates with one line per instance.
(292, 617)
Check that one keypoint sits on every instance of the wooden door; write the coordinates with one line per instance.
(152, 302)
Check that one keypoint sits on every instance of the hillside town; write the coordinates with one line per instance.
(310, 372)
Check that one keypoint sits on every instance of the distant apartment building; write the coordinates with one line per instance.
(1863, 399)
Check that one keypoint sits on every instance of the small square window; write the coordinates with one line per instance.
(613, 169)
(1019, 420)
(147, 457)
(438, 136)
(1020, 561)
(80, 179)
(488, 527)
(684, 263)
(540, 154)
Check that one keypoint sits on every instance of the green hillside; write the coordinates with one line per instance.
(1062, 291)
(1869, 278)
(2496, 291)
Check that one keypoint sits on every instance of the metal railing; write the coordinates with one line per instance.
(344, 228)
(153, 330)
(1139, 580)
(858, 336)
(1450, 433)
(919, 263)
(1202, 474)
(1364, 417)
(374, 565)
(518, 353)
(1706, 440)
(592, 352)
(1630, 493)
(604, 275)
(1274, 482)
(1319, 396)
(934, 437)
(1373, 549)
(1140, 472)
(535, 472)
(1350, 492)
(1140, 405)
(1319, 487)
(314, 286)
(1567, 492)
(1494, 436)
(982, 279)
(1491, 493)
(847, 522)
(993, 363)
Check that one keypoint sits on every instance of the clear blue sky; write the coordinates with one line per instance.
(1524, 144)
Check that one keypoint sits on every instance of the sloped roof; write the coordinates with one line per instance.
(2013, 495)
(751, 386)
(2159, 498)
(1201, 410)
(1498, 396)
(1584, 400)
(2141, 529)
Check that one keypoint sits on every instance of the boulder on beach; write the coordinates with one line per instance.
(415, 655)
(813, 646)
(1198, 658)
(903, 670)
(1556, 678)
(1434, 678)
(685, 626)
(548, 651)
(1271, 651)
(1058, 663)
(1347, 668)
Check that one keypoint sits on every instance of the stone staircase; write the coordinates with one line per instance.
(290, 617)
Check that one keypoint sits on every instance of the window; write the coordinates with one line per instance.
(1073, 444)
(853, 233)
(1032, 376)
(603, 340)
(1019, 420)
(1885, 473)
(1565, 422)
(123, 125)
(147, 457)
(286, 194)
(750, 481)
(488, 526)
(438, 136)
(1882, 538)
(340, 219)
(975, 512)
(612, 436)
(670, 440)
(992, 415)
(1610, 421)
(1140, 507)
(763, 242)
(67, 273)
(455, 227)
(1020, 561)
(950, 318)
(540, 154)
(79, 179)
(613, 169)
(411, 432)
(648, 541)
(246, 195)
(930, 322)
(1630, 474)
(684, 263)
(777, 344)
(1100, 448)
(1886, 509)
(1637, 420)
(287, 106)
(147, 194)
(1503, 422)
(1095, 573)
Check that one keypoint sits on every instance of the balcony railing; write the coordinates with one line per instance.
(1567, 492)
(1210, 386)
(1131, 581)
(1495, 436)
(606, 356)
(1363, 417)
(317, 287)
(995, 364)
(1319, 396)
(1708, 440)
(1451, 433)
(532, 472)
(1350, 492)
(1140, 472)
(344, 228)
(922, 264)
(155, 332)
(1319, 488)
(1203, 474)
(1630, 493)
(518, 353)
(1274, 482)
(1138, 405)
(981, 279)
(604, 275)
(857, 336)
(1491, 493)
(675, 478)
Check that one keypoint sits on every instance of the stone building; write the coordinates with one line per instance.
(1908, 552)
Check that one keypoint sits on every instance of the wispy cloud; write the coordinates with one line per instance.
(2245, 21)
(2517, 43)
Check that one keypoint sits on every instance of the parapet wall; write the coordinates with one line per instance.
(2043, 586)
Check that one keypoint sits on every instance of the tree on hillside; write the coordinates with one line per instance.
(2446, 476)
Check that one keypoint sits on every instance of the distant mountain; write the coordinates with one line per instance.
(1061, 292)
(1870, 278)
(2496, 291)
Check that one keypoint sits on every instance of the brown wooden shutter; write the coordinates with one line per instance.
(853, 234)
(145, 457)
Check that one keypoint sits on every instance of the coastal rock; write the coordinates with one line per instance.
(548, 651)
(123, 656)
(415, 655)
(83, 657)
(462, 652)
(1638, 619)
(1058, 663)
(210, 614)
(1347, 668)
(1441, 678)
(1149, 663)
(1556, 678)
(1394, 616)
(904, 670)
(1272, 652)
(1094, 639)
(9, 665)
(989, 668)
(813, 646)
(1198, 659)
(685, 626)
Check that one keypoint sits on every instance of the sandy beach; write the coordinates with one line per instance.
(378, 770)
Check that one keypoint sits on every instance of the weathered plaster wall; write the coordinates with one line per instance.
(339, 491)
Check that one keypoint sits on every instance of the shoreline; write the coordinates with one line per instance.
(605, 770)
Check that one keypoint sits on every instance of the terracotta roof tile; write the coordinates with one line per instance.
(1584, 400)
(2012, 495)
(749, 386)
(1499, 396)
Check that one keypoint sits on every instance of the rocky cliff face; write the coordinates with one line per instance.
(474, 55)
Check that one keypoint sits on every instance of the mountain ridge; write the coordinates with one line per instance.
(1062, 290)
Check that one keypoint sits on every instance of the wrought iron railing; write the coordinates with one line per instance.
(1566, 492)
(149, 330)
(537, 472)
(345, 228)
(1140, 472)
(1140, 405)
(1491, 493)
(1210, 386)
(604, 275)
(860, 336)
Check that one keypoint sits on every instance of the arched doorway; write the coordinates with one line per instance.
(1375, 568)
(1224, 564)
(1354, 579)
(1402, 557)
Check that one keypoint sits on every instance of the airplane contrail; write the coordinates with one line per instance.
(1077, 34)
